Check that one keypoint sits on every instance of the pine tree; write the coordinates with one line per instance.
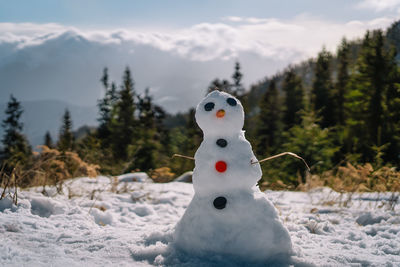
(146, 110)
(66, 137)
(371, 91)
(16, 149)
(223, 85)
(342, 82)
(48, 141)
(164, 136)
(106, 109)
(391, 124)
(237, 87)
(193, 132)
(312, 143)
(269, 121)
(148, 143)
(124, 122)
(322, 89)
(293, 103)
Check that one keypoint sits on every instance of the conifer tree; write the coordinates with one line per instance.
(16, 149)
(310, 141)
(369, 98)
(391, 124)
(217, 84)
(148, 143)
(237, 87)
(341, 83)
(146, 110)
(48, 141)
(269, 121)
(293, 103)
(193, 132)
(106, 107)
(66, 137)
(322, 89)
(125, 122)
(163, 133)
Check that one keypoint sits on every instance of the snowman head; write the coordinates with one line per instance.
(220, 112)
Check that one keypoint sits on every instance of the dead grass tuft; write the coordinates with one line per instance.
(349, 180)
(162, 175)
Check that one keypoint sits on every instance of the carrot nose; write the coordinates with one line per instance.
(220, 113)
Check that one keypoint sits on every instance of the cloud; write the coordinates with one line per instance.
(268, 37)
(379, 5)
(53, 61)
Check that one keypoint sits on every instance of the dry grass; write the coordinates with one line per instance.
(9, 185)
(353, 180)
(359, 178)
(162, 175)
(49, 167)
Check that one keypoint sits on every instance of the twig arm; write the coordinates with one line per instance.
(280, 155)
(182, 156)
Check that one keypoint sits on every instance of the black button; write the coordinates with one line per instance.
(209, 106)
(222, 142)
(219, 203)
(231, 101)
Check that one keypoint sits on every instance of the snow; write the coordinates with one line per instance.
(238, 156)
(247, 229)
(185, 177)
(134, 177)
(133, 225)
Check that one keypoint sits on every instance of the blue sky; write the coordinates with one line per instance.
(178, 13)
(57, 49)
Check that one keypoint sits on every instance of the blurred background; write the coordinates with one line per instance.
(111, 87)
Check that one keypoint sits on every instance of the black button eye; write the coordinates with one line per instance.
(222, 142)
(231, 101)
(209, 106)
(219, 203)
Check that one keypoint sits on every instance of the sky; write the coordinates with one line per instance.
(182, 13)
(57, 49)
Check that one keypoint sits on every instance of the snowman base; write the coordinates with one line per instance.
(242, 224)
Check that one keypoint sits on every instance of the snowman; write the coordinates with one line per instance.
(228, 214)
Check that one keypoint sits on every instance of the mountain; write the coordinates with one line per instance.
(68, 66)
(46, 115)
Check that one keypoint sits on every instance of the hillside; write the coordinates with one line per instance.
(305, 69)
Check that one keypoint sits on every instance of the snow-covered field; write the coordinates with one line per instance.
(103, 222)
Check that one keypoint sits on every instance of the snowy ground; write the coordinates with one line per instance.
(99, 222)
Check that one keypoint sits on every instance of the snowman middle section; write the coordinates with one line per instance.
(223, 163)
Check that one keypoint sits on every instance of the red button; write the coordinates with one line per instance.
(220, 166)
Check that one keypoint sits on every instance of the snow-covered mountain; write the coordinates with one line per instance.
(67, 66)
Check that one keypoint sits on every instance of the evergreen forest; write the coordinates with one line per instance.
(338, 110)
